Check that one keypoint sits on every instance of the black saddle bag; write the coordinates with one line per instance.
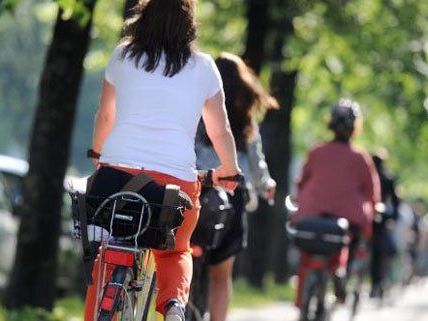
(214, 216)
(320, 235)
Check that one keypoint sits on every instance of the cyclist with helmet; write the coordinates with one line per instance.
(339, 180)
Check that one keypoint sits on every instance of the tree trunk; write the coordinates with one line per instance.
(276, 134)
(33, 278)
(252, 263)
(255, 260)
(257, 17)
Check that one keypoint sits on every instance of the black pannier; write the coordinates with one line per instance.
(109, 181)
(215, 214)
(321, 235)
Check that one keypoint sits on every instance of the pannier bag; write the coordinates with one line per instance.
(165, 219)
(214, 216)
(320, 235)
(160, 226)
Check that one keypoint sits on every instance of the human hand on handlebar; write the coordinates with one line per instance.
(222, 172)
(269, 192)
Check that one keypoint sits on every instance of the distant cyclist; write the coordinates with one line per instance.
(244, 97)
(157, 85)
(384, 247)
(339, 180)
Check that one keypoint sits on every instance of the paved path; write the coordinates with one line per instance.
(410, 304)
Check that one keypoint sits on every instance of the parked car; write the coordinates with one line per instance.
(12, 172)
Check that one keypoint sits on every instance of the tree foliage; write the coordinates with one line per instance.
(375, 52)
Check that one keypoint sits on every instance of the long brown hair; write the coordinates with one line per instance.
(244, 97)
(160, 27)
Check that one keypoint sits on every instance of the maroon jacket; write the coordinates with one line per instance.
(340, 180)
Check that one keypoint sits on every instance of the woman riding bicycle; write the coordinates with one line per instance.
(339, 180)
(244, 97)
(157, 85)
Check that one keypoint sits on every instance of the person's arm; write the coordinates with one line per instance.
(218, 129)
(371, 189)
(105, 117)
(395, 200)
(262, 181)
(371, 181)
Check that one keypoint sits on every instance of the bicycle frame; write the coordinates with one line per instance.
(143, 271)
(124, 255)
(316, 270)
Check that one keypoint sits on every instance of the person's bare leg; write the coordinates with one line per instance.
(220, 289)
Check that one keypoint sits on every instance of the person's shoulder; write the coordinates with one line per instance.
(361, 154)
(203, 58)
(319, 147)
(117, 52)
(316, 150)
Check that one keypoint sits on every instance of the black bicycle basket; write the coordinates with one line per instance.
(321, 235)
(134, 217)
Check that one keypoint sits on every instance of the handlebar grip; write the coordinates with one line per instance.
(206, 178)
(238, 178)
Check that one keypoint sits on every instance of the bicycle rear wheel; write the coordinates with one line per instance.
(313, 308)
(145, 286)
(114, 294)
(128, 294)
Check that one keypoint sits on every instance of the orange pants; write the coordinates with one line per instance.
(173, 267)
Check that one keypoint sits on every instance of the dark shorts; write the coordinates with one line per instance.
(235, 239)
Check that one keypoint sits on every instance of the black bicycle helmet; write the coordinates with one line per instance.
(342, 118)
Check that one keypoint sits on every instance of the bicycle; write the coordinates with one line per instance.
(126, 271)
(126, 281)
(357, 272)
(320, 239)
(214, 223)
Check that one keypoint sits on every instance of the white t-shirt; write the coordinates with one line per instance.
(157, 116)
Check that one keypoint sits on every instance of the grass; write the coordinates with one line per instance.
(68, 309)
(71, 308)
(246, 296)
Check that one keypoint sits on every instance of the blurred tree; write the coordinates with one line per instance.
(33, 278)
(276, 130)
(375, 52)
(254, 262)
(21, 60)
(266, 226)
(257, 28)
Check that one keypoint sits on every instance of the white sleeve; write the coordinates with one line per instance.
(256, 159)
(111, 70)
(214, 83)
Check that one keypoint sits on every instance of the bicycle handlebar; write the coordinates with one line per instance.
(206, 178)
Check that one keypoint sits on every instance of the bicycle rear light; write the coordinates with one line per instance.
(110, 297)
(121, 258)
